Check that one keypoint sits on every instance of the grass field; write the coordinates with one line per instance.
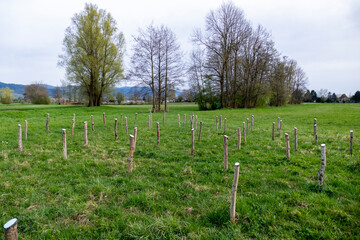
(170, 194)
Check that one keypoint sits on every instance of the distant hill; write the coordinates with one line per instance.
(19, 89)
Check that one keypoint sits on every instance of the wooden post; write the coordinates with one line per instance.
(273, 131)
(72, 127)
(149, 122)
(191, 122)
(217, 123)
(85, 134)
(179, 120)
(278, 124)
(64, 144)
(280, 128)
(315, 134)
(224, 125)
(220, 121)
(321, 172)
(196, 118)
(287, 145)
(295, 141)
(126, 126)
(233, 192)
(201, 126)
(20, 138)
(47, 121)
(244, 132)
(226, 156)
(121, 121)
(135, 137)
(135, 118)
(239, 138)
(164, 117)
(158, 133)
(10, 230)
(115, 129)
(92, 123)
(252, 122)
(351, 142)
(315, 122)
(247, 126)
(131, 153)
(104, 118)
(192, 142)
(25, 130)
(184, 119)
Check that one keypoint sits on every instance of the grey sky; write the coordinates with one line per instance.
(322, 35)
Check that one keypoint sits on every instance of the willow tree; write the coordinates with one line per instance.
(93, 52)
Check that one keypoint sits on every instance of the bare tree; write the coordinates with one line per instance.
(156, 62)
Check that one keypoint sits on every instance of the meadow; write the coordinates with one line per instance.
(171, 194)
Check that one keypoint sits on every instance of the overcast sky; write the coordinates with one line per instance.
(323, 36)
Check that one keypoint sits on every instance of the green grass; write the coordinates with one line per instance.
(170, 194)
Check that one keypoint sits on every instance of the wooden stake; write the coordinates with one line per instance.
(104, 118)
(20, 138)
(315, 134)
(126, 126)
(85, 134)
(10, 230)
(191, 122)
(115, 129)
(273, 131)
(217, 123)
(239, 138)
(192, 142)
(321, 172)
(220, 121)
(72, 127)
(92, 123)
(287, 145)
(247, 126)
(131, 153)
(201, 126)
(47, 121)
(64, 144)
(233, 192)
(25, 130)
(252, 122)
(135, 137)
(226, 156)
(135, 118)
(179, 120)
(315, 122)
(158, 133)
(295, 141)
(244, 132)
(351, 141)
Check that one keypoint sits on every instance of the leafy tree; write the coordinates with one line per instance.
(119, 97)
(307, 96)
(93, 52)
(6, 95)
(37, 93)
(58, 94)
(313, 96)
(356, 97)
